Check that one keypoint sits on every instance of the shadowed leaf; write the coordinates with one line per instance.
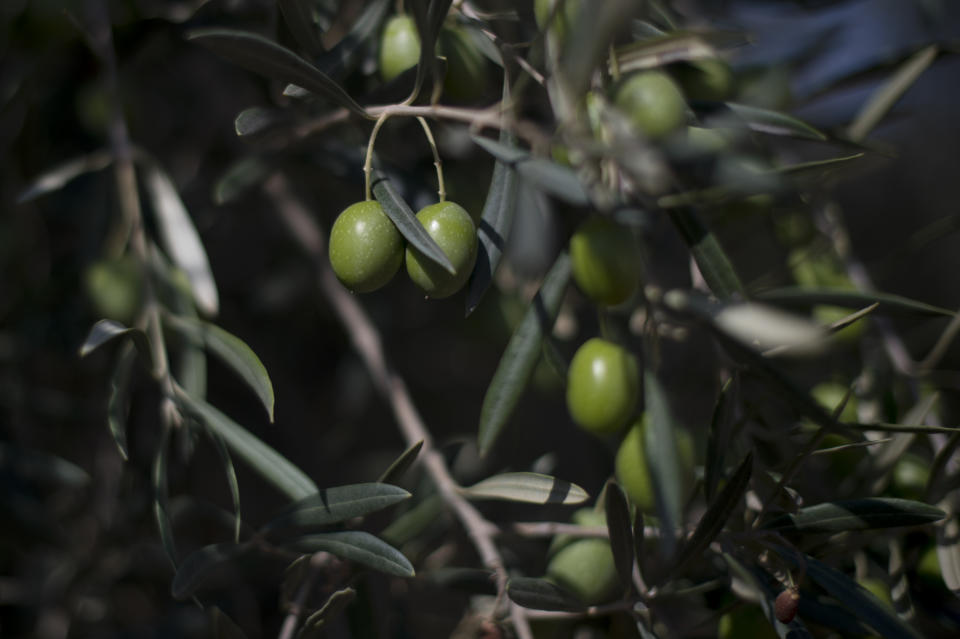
(774, 122)
(224, 627)
(711, 259)
(551, 178)
(401, 464)
(335, 604)
(106, 330)
(540, 594)
(332, 505)
(240, 177)
(273, 466)
(803, 296)
(856, 514)
(621, 536)
(358, 546)
(532, 488)
(117, 403)
(298, 14)
(233, 351)
(521, 355)
(660, 448)
(198, 565)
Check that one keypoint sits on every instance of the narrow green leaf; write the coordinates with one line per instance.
(333, 505)
(651, 53)
(540, 594)
(621, 536)
(887, 95)
(711, 259)
(117, 403)
(233, 351)
(260, 55)
(546, 175)
(856, 514)
(298, 14)
(231, 474)
(412, 523)
(348, 51)
(715, 518)
(240, 177)
(860, 601)
(495, 223)
(521, 355)
(407, 223)
(718, 439)
(638, 537)
(180, 238)
(808, 297)
(401, 464)
(774, 122)
(531, 488)
(256, 120)
(274, 467)
(198, 566)
(159, 481)
(106, 330)
(57, 177)
(358, 546)
(660, 448)
(767, 328)
(335, 604)
(817, 168)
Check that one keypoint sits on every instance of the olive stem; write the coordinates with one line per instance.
(368, 160)
(441, 191)
(390, 384)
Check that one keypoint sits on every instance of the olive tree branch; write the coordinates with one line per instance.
(366, 340)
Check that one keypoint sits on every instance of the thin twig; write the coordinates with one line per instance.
(366, 340)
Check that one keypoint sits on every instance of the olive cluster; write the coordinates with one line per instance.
(366, 249)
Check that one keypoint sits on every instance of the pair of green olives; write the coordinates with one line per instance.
(366, 249)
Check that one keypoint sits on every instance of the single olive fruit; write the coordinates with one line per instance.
(633, 471)
(605, 260)
(466, 77)
(114, 288)
(709, 79)
(452, 228)
(366, 249)
(653, 102)
(584, 566)
(603, 385)
(399, 46)
(564, 19)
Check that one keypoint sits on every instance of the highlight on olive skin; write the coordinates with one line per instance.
(653, 103)
(603, 386)
(366, 249)
(452, 228)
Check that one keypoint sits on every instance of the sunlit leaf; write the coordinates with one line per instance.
(540, 594)
(255, 120)
(180, 237)
(407, 223)
(532, 488)
(233, 351)
(401, 464)
(57, 177)
(495, 223)
(521, 355)
(659, 51)
(358, 546)
(106, 330)
(260, 55)
(274, 467)
(332, 505)
(621, 536)
(766, 328)
(856, 514)
(803, 296)
(887, 95)
(199, 565)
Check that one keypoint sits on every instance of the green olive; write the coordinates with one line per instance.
(633, 471)
(366, 249)
(466, 77)
(709, 79)
(114, 287)
(603, 385)
(605, 260)
(452, 228)
(584, 566)
(653, 102)
(399, 46)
